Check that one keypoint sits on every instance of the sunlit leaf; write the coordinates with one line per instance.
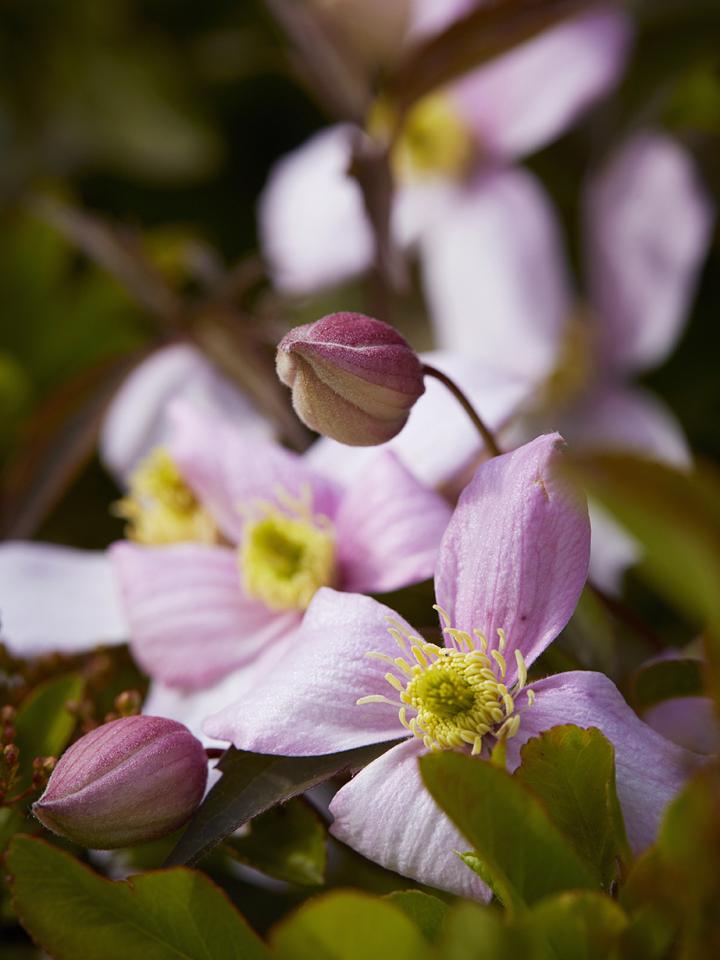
(523, 852)
(426, 912)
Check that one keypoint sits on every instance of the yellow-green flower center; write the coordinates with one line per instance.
(287, 554)
(433, 138)
(160, 507)
(453, 697)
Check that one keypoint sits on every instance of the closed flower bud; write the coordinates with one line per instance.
(353, 378)
(129, 781)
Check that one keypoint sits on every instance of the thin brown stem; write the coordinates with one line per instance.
(488, 439)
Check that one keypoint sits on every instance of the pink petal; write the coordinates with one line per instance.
(648, 225)
(308, 703)
(438, 442)
(691, 722)
(649, 769)
(432, 16)
(313, 227)
(387, 815)
(612, 550)
(190, 622)
(57, 599)
(137, 419)
(229, 468)
(515, 555)
(528, 97)
(628, 419)
(495, 277)
(389, 528)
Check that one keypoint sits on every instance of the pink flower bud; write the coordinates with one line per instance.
(353, 378)
(128, 781)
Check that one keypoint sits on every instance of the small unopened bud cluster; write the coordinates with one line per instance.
(134, 779)
(353, 378)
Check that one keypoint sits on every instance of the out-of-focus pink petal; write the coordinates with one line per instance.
(529, 96)
(432, 16)
(308, 704)
(494, 275)
(387, 815)
(313, 227)
(649, 769)
(439, 441)
(627, 419)
(228, 469)
(648, 222)
(691, 722)
(137, 419)
(515, 555)
(389, 528)
(190, 622)
(57, 599)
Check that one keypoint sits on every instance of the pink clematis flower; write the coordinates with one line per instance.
(456, 144)
(512, 564)
(198, 611)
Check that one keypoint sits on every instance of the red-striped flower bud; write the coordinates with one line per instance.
(353, 378)
(129, 781)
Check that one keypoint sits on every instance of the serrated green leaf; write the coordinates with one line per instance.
(426, 912)
(573, 773)
(251, 783)
(287, 842)
(71, 912)
(348, 926)
(576, 926)
(519, 845)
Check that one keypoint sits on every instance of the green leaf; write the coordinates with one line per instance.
(576, 926)
(287, 842)
(348, 926)
(252, 783)
(675, 516)
(521, 848)
(666, 679)
(472, 932)
(426, 912)
(71, 912)
(573, 773)
(43, 723)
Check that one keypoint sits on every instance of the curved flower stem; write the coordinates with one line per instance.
(487, 437)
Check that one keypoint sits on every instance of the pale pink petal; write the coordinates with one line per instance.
(313, 227)
(57, 599)
(648, 228)
(430, 17)
(308, 704)
(526, 98)
(515, 555)
(190, 622)
(389, 528)
(691, 722)
(495, 277)
(229, 469)
(612, 550)
(387, 815)
(137, 419)
(629, 420)
(649, 769)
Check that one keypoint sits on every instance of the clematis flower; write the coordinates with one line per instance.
(453, 146)
(512, 564)
(641, 278)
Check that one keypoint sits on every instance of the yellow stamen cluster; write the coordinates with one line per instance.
(433, 138)
(452, 697)
(287, 552)
(160, 507)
